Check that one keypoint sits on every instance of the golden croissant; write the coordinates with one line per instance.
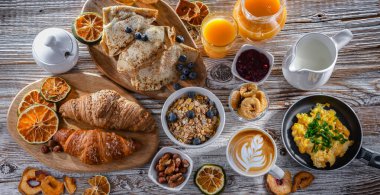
(95, 146)
(106, 109)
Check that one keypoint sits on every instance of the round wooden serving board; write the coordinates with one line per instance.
(166, 17)
(83, 83)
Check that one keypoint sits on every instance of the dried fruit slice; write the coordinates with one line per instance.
(34, 98)
(148, 1)
(186, 10)
(28, 183)
(100, 185)
(55, 89)
(37, 124)
(70, 184)
(279, 186)
(210, 179)
(88, 28)
(203, 12)
(40, 175)
(125, 2)
(51, 186)
(302, 180)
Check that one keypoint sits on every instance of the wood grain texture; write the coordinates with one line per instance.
(166, 17)
(356, 80)
(82, 84)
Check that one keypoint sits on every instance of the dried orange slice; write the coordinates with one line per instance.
(88, 28)
(34, 98)
(37, 124)
(55, 89)
(210, 179)
(203, 12)
(186, 10)
(100, 185)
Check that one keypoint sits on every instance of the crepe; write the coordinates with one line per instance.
(163, 71)
(141, 54)
(116, 19)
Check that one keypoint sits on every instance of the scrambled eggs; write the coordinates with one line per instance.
(321, 135)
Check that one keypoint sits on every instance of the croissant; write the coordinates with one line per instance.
(95, 146)
(106, 109)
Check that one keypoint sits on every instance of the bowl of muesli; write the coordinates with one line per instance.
(193, 117)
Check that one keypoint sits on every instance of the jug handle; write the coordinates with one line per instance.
(342, 38)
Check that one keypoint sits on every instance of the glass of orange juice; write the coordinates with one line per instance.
(260, 19)
(219, 31)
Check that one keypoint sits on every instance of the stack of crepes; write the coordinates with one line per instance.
(149, 64)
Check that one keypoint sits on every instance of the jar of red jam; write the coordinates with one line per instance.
(252, 64)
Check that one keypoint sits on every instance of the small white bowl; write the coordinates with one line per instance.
(246, 47)
(152, 174)
(174, 96)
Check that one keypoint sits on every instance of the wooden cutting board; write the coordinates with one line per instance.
(166, 17)
(83, 83)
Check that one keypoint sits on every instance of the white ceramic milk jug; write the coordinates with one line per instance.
(311, 61)
(55, 50)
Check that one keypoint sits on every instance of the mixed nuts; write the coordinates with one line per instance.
(171, 169)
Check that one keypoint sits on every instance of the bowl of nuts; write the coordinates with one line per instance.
(248, 102)
(170, 169)
(193, 117)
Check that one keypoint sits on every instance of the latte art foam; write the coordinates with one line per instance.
(252, 151)
(251, 154)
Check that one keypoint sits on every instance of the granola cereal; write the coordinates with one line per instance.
(193, 119)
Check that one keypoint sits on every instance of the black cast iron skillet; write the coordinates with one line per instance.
(346, 115)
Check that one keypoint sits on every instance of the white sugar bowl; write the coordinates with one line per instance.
(55, 50)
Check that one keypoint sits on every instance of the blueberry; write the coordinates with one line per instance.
(172, 117)
(128, 29)
(182, 58)
(179, 39)
(144, 37)
(138, 35)
(209, 114)
(191, 94)
(196, 141)
(185, 71)
(177, 86)
(191, 65)
(192, 75)
(180, 67)
(183, 77)
(190, 114)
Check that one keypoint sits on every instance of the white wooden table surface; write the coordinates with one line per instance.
(356, 81)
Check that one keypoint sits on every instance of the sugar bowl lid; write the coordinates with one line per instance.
(55, 46)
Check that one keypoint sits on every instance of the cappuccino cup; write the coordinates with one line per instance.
(252, 152)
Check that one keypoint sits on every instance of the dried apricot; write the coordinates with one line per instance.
(260, 95)
(302, 180)
(235, 100)
(70, 184)
(29, 183)
(248, 90)
(279, 186)
(51, 186)
(250, 108)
